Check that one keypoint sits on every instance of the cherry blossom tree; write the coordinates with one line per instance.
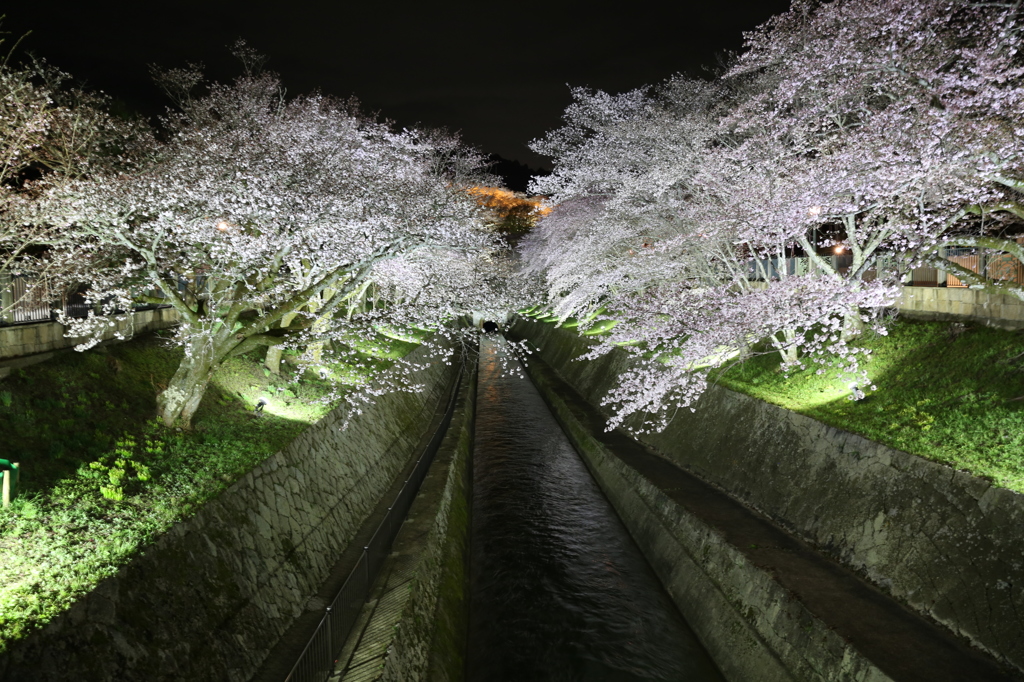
(261, 218)
(46, 128)
(890, 128)
(905, 117)
(646, 232)
(692, 331)
(624, 182)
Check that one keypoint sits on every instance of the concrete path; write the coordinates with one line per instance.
(289, 648)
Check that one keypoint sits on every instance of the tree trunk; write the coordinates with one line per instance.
(180, 400)
(783, 341)
(273, 359)
(853, 326)
(744, 351)
(320, 325)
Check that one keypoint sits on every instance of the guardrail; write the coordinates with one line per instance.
(317, 661)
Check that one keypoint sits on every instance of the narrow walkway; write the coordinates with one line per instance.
(363, 657)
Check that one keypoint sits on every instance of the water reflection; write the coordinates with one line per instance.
(559, 589)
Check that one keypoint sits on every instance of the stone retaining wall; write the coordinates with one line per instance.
(29, 339)
(210, 598)
(946, 543)
(960, 303)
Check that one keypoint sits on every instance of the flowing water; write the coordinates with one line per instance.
(559, 589)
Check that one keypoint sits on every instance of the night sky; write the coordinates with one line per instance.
(497, 72)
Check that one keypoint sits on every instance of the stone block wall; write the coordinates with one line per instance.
(29, 339)
(944, 542)
(210, 598)
(960, 303)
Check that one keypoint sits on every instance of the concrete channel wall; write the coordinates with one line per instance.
(211, 596)
(944, 542)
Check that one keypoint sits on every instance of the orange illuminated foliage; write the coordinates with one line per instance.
(516, 213)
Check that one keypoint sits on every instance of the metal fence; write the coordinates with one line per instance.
(27, 299)
(776, 268)
(317, 661)
(996, 265)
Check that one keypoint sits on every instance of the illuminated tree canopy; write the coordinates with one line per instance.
(884, 128)
(263, 220)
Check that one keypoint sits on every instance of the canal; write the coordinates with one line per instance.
(559, 590)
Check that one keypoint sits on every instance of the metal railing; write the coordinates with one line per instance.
(317, 661)
(996, 265)
(28, 299)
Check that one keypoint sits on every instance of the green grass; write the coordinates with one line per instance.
(601, 327)
(101, 478)
(949, 393)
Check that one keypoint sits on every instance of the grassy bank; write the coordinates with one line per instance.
(101, 477)
(951, 393)
(948, 392)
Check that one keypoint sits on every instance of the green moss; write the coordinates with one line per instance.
(600, 327)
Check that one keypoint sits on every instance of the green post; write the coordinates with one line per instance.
(10, 483)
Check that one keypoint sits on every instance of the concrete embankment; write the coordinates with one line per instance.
(942, 542)
(211, 597)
